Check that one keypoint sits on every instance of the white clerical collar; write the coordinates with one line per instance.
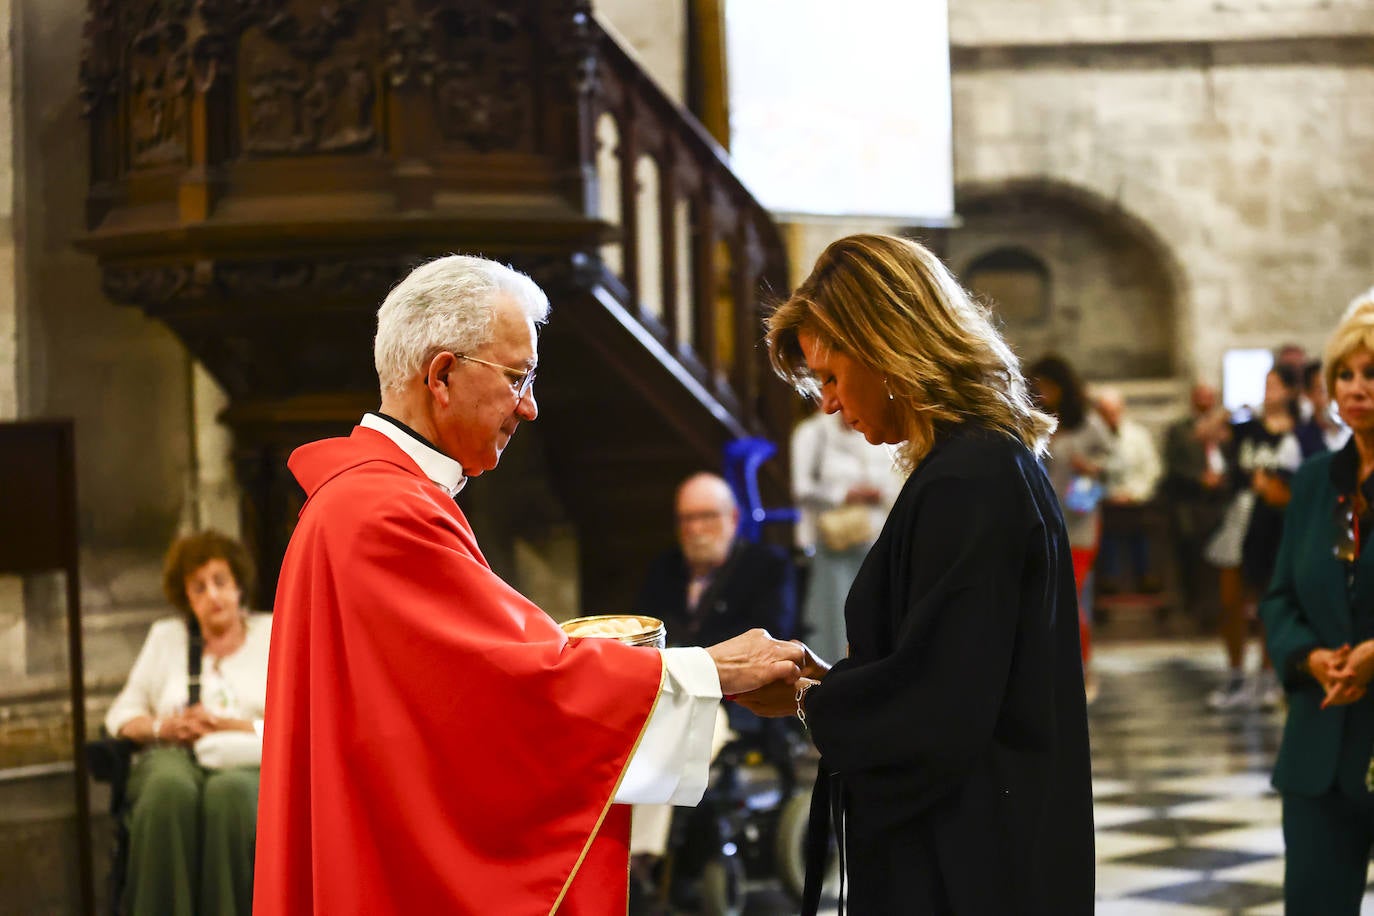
(437, 466)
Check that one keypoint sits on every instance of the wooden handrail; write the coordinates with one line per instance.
(735, 259)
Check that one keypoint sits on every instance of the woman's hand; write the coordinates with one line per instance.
(1271, 488)
(1359, 664)
(777, 700)
(1085, 466)
(864, 494)
(186, 727)
(1327, 667)
(212, 723)
(1352, 676)
(813, 666)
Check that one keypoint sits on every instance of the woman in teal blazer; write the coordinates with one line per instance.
(1319, 620)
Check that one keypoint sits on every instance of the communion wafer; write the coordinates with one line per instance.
(610, 627)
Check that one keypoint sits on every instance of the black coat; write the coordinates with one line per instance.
(755, 588)
(957, 729)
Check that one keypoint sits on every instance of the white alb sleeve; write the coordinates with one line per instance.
(673, 760)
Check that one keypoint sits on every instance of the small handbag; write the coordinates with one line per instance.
(845, 526)
(222, 750)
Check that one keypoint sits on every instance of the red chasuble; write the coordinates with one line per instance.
(433, 742)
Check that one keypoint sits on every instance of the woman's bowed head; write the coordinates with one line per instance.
(883, 334)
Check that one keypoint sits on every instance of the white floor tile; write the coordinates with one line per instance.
(1267, 840)
(1152, 908)
(1269, 871)
(1231, 785)
(1265, 812)
(1104, 787)
(1114, 815)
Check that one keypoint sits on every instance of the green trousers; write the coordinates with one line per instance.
(1328, 840)
(191, 834)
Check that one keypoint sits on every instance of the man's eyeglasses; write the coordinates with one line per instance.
(688, 518)
(521, 380)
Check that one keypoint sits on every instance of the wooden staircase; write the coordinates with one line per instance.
(262, 173)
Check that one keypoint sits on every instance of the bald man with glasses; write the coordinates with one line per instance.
(433, 742)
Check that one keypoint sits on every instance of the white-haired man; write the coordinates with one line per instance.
(434, 743)
(1132, 473)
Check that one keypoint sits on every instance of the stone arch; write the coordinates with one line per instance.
(1114, 289)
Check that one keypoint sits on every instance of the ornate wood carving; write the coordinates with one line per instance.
(157, 286)
(152, 287)
(263, 171)
(309, 82)
(159, 88)
(475, 61)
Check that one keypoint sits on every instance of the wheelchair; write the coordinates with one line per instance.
(108, 760)
(749, 827)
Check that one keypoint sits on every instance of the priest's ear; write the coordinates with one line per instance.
(437, 375)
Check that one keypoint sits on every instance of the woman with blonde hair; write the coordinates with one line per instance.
(954, 735)
(1319, 624)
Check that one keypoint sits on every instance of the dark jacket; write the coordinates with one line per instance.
(957, 729)
(1313, 603)
(1185, 460)
(756, 587)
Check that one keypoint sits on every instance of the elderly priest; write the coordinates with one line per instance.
(433, 741)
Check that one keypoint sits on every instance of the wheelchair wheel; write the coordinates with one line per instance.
(722, 887)
(790, 851)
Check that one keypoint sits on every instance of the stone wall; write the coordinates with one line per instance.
(656, 33)
(1052, 22)
(11, 587)
(1239, 135)
(9, 299)
(122, 378)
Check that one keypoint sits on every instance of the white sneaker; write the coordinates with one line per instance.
(1235, 695)
(1267, 692)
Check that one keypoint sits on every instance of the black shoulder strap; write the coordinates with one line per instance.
(195, 648)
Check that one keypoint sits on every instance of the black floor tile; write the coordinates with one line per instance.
(1179, 828)
(1233, 895)
(1193, 858)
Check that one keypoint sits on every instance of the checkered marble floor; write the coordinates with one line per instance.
(1187, 823)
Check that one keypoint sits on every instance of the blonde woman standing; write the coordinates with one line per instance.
(954, 737)
(1319, 624)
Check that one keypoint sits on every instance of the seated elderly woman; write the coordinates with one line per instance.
(194, 703)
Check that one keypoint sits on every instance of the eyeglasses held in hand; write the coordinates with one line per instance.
(521, 380)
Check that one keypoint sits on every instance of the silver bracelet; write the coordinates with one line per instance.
(801, 695)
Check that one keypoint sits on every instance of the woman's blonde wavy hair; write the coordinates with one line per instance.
(889, 303)
(1355, 331)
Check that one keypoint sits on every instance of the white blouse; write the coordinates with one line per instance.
(231, 687)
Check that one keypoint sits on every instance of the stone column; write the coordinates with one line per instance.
(11, 588)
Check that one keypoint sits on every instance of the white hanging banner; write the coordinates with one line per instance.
(842, 108)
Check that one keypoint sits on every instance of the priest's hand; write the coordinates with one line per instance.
(752, 659)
